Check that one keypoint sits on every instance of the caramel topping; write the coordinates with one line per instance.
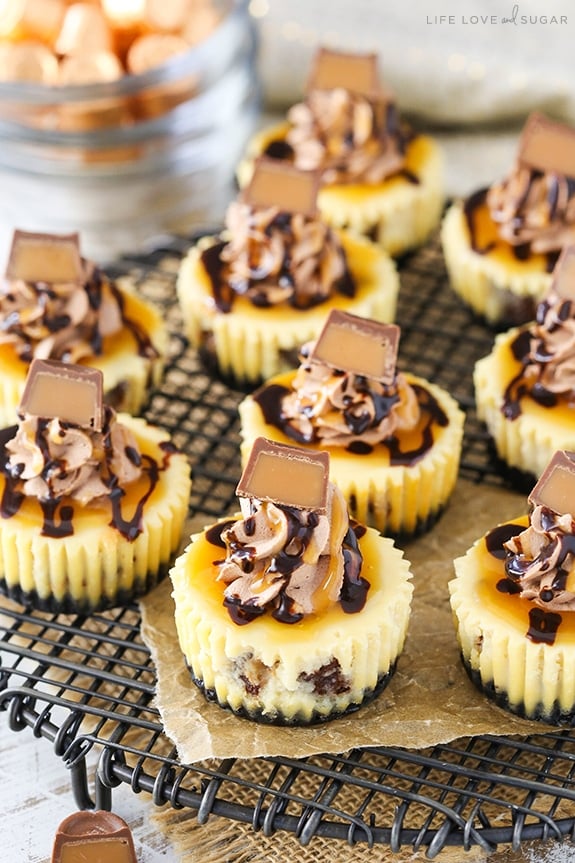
(563, 284)
(93, 836)
(287, 476)
(555, 488)
(354, 72)
(279, 184)
(358, 345)
(68, 392)
(48, 258)
(547, 146)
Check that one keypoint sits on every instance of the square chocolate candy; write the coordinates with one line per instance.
(71, 393)
(278, 184)
(286, 475)
(555, 488)
(547, 146)
(364, 347)
(51, 258)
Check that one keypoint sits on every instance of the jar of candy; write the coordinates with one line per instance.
(130, 141)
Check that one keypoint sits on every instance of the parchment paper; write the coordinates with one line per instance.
(429, 700)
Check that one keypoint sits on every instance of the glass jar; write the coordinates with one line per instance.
(126, 161)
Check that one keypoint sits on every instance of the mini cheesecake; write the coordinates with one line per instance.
(131, 360)
(525, 387)
(84, 550)
(249, 344)
(291, 661)
(399, 483)
(378, 178)
(399, 213)
(514, 613)
(54, 304)
(485, 272)
(250, 296)
(502, 243)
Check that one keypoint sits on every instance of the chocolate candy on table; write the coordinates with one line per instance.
(93, 837)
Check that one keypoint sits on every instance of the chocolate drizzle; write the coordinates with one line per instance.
(499, 535)
(224, 293)
(270, 398)
(15, 322)
(300, 529)
(389, 128)
(521, 251)
(526, 352)
(58, 514)
(543, 624)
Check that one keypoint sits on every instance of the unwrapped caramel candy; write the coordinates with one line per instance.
(109, 38)
(547, 146)
(68, 392)
(286, 475)
(555, 488)
(93, 837)
(352, 344)
(278, 184)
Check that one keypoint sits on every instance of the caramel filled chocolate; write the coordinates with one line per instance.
(48, 258)
(69, 392)
(285, 475)
(555, 488)
(354, 72)
(278, 184)
(353, 344)
(547, 146)
(93, 837)
(563, 283)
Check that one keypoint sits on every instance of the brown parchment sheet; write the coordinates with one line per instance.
(429, 700)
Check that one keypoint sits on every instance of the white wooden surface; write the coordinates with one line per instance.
(36, 795)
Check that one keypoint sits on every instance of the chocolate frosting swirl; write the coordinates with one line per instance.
(52, 459)
(540, 559)
(290, 562)
(65, 321)
(546, 351)
(274, 257)
(339, 408)
(349, 137)
(534, 209)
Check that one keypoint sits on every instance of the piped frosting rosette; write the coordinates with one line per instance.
(290, 613)
(525, 388)
(514, 603)
(249, 296)
(92, 502)
(394, 439)
(379, 179)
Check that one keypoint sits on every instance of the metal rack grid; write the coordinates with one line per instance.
(84, 682)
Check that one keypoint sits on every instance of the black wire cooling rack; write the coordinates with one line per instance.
(88, 682)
